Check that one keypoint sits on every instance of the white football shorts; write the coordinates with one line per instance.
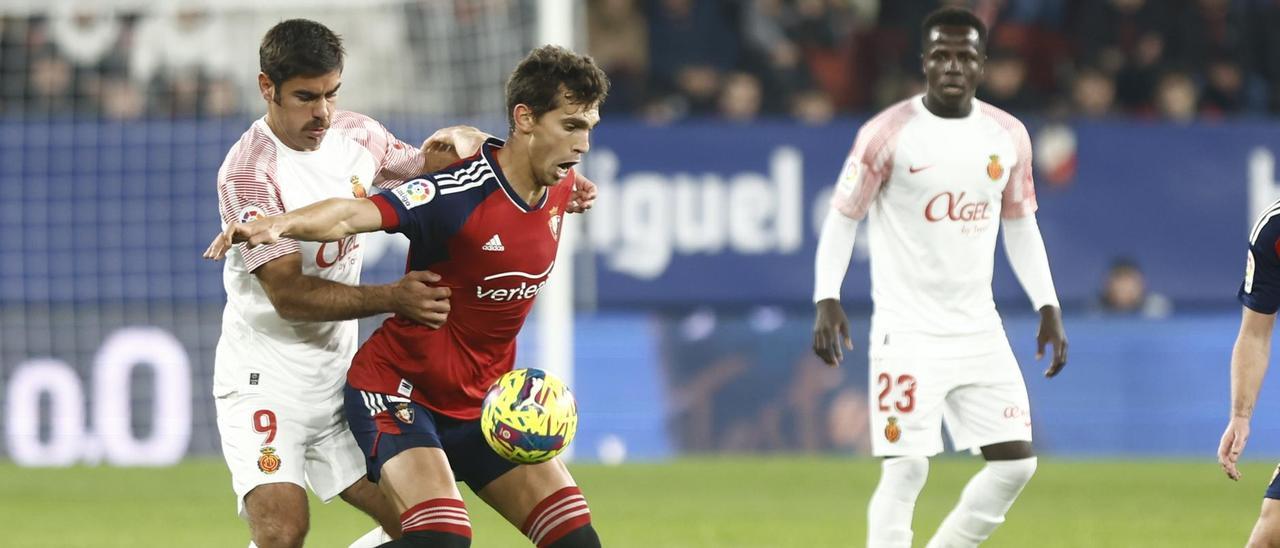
(918, 383)
(269, 439)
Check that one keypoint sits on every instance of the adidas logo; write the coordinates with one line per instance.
(494, 244)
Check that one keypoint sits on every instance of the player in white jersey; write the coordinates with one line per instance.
(933, 175)
(289, 329)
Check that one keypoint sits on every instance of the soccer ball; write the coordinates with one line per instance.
(529, 416)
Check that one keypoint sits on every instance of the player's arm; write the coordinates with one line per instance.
(1249, 359)
(324, 221)
(449, 145)
(299, 297)
(859, 182)
(1024, 246)
(830, 264)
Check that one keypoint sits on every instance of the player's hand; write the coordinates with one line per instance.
(261, 231)
(831, 332)
(1232, 445)
(584, 194)
(1052, 332)
(449, 145)
(417, 300)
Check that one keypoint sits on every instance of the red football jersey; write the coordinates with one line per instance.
(468, 225)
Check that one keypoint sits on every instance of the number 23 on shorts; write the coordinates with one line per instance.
(896, 392)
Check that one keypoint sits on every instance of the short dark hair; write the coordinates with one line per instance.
(538, 79)
(299, 47)
(953, 17)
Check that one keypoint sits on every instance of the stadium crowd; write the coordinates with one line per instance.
(730, 59)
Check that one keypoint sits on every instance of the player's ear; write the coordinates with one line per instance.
(265, 87)
(523, 116)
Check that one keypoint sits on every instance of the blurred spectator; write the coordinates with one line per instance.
(1005, 83)
(618, 39)
(177, 51)
(1124, 291)
(1224, 92)
(692, 44)
(51, 80)
(741, 97)
(812, 107)
(1093, 93)
(1176, 97)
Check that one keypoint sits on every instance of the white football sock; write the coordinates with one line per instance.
(894, 502)
(372, 539)
(983, 503)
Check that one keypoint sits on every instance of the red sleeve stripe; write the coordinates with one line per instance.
(390, 218)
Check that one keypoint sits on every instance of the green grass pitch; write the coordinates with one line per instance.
(707, 502)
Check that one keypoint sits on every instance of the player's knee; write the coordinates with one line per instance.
(562, 520)
(582, 537)
(280, 533)
(1013, 472)
(905, 472)
(439, 522)
(1266, 532)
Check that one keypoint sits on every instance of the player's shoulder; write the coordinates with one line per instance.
(1001, 118)
(464, 181)
(892, 118)
(1266, 228)
(346, 119)
(253, 156)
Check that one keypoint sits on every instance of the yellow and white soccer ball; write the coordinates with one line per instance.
(529, 416)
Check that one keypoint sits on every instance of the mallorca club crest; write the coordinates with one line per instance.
(892, 431)
(404, 412)
(554, 223)
(994, 169)
(357, 189)
(269, 462)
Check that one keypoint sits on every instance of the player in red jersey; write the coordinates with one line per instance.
(490, 227)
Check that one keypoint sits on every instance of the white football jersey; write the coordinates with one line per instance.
(258, 350)
(935, 190)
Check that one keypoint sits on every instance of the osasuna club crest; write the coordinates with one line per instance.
(554, 223)
(404, 412)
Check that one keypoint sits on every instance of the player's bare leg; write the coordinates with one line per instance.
(545, 503)
(1266, 532)
(988, 495)
(366, 496)
(278, 515)
(420, 487)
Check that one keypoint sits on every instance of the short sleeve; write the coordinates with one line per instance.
(247, 190)
(1019, 199)
(1260, 290)
(870, 162)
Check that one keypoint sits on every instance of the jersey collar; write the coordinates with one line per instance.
(489, 151)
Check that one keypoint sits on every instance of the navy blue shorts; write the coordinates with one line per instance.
(386, 425)
(1273, 490)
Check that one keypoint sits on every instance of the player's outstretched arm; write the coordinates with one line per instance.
(299, 297)
(1248, 367)
(324, 221)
